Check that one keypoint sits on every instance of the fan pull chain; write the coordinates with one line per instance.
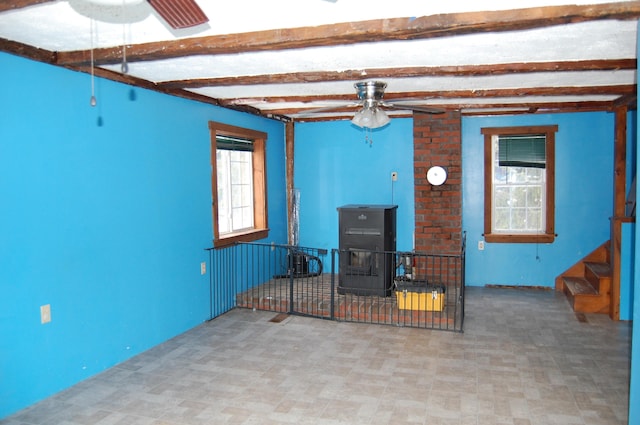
(367, 136)
(93, 101)
(125, 66)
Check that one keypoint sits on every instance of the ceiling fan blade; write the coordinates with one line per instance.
(310, 112)
(413, 108)
(179, 13)
(398, 101)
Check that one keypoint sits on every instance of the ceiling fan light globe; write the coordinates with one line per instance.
(370, 118)
(363, 118)
(380, 118)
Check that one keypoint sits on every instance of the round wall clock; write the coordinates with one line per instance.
(436, 175)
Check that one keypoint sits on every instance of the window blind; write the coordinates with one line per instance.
(522, 151)
(231, 143)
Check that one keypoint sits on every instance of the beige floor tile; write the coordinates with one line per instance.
(523, 359)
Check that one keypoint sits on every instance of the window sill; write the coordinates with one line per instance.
(535, 238)
(248, 236)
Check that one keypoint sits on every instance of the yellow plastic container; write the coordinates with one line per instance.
(430, 298)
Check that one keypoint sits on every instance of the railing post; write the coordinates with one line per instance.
(210, 251)
(333, 284)
(210, 284)
(463, 254)
(291, 265)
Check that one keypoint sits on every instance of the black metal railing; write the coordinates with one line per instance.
(404, 289)
(264, 276)
(410, 289)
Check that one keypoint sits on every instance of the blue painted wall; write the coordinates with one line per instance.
(335, 166)
(584, 200)
(627, 270)
(106, 214)
(634, 387)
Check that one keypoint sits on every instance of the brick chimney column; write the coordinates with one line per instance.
(437, 141)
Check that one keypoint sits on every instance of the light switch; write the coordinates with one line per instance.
(45, 313)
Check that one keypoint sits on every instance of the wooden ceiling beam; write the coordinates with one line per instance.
(493, 109)
(433, 26)
(7, 5)
(530, 106)
(629, 100)
(49, 57)
(533, 110)
(620, 90)
(185, 94)
(407, 72)
(478, 112)
(26, 51)
(534, 91)
(537, 106)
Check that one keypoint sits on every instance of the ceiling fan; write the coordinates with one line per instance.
(371, 103)
(178, 14)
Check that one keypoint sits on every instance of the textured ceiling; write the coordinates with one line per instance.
(282, 58)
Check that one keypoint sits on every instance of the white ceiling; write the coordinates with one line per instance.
(59, 26)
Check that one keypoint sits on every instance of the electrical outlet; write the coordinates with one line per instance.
(45, 313)
(203, 267)
(480, 245)
(394, 176)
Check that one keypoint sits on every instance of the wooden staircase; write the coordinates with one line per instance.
(587, 284)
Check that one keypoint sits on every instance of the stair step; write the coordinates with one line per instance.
(583, 297)
(578, 286)
(587, 283)
(599, 269)
(599, 276)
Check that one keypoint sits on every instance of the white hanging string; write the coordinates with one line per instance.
(125, 66)
(367, 136)
(93, 101)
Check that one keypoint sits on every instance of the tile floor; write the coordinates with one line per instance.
(524, 359)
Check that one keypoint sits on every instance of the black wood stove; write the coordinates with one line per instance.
(367, 249)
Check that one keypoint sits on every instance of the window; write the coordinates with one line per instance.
(238, 182)
(519, 180)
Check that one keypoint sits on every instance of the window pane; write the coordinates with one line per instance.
(500, 175)
(236, 171)
(246, 195)
(224, 191)
(243, 218)
(518, 219)
(534, 197)
(535, 175)
(247, 217)
(518, 183)
(501, 220)
(239, 195)
(235, 190)
(518, 197)
(516, 175)
(534, 219)
(502, 196)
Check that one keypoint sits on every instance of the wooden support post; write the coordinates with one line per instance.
(289, 143)
(619, 199)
